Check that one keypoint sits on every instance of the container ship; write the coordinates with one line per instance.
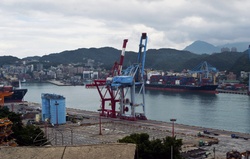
(180, 84)
(17, 95)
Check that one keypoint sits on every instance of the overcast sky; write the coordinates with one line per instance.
(41, 27)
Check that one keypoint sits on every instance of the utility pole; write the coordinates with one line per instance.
(55, 138)
(46, 127)
(100, 124)
(214, 152)
(56, 104)
(71, 136)
(172, 152)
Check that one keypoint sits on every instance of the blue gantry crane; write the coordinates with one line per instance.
(205, 71)
(204, 68)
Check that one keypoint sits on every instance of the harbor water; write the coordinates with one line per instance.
(222, 111)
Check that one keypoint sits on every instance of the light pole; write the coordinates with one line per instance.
(173, 120)
(56, 104)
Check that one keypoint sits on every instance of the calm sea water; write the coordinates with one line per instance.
(222, 111)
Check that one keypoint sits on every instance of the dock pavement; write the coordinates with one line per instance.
(88, 131)
(112, 129)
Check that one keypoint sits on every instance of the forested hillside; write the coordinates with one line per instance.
(160, 59)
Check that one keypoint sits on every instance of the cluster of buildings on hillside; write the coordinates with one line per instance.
(78, 75)
(229, 80)
(75, 75)
(226, 49)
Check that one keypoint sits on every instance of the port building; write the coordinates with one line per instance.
(53, 108)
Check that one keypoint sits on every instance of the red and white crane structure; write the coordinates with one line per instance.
(131, 86)
(109, 97)
(117, 67)
(120, 87)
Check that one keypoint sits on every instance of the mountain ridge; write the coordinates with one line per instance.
(201, 47)
(159, 59)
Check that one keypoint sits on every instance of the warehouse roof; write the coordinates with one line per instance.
(103, 151)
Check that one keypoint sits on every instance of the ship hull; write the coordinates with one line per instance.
(183, 88)
(17, 95)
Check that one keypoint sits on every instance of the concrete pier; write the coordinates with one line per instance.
(58, 83)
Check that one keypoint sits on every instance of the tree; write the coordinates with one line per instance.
(176, 144)
(29, 135)
(156, 148)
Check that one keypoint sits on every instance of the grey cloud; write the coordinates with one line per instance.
(104, 22)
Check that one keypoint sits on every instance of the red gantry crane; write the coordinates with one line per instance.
(109, 96)
(120, 87)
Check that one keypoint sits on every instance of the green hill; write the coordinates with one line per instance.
(160, 59)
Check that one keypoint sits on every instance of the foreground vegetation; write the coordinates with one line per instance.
(156, 148)
(24, 135)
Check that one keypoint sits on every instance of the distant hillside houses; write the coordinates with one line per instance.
(226, 49)
(243, 74)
